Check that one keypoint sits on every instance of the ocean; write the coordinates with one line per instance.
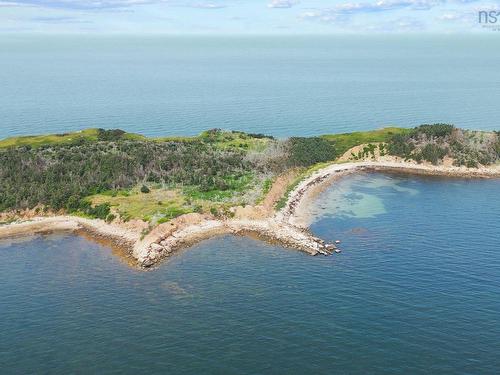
(282, 86)
(415, 291)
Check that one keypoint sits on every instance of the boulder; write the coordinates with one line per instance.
(156, 247)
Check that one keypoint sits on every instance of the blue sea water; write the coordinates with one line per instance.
(297, 85)
(415, 291)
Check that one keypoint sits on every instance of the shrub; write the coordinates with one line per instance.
(434, 130)
(381, 148)
(259, 136)
(496, 146)
(73, 203)
(100, 211)
(145, 189)
(110, 218)
(433, 153)
(109, 135)
(399, 145)
(308, 151)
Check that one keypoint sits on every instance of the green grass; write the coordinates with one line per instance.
(137, 205)
(266, 186)
(301, 176)
(174, 139)
(43, 140)
(234, 140)
(163, 204)
(172, 212)
(235, 185)
(221, 139)
(53, 139)
(116, 193)
(346, 141)
(212, 195)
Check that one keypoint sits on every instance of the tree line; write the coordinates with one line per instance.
(61, 176)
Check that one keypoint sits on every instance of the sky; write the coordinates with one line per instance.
(243, 16)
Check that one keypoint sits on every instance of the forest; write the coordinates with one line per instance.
(59, 176)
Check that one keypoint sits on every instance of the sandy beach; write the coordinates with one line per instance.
(295, 211)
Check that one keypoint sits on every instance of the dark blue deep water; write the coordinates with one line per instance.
(416, 290)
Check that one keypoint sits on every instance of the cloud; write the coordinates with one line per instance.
(461, 17)
(352, 8)
(11, 4)
(81, 4)
(282, 4)
(205, 5)
(108, 4)
(58, 20)
(386, 5)
(403, 24)
(324, 16)
(336, 15)
(343, 12)
(451, 16)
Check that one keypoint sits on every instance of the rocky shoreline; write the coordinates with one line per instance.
(148, 254)
(288, 227)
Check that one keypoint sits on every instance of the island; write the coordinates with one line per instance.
(152, 197)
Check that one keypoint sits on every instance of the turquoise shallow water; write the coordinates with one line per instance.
(415, 291)
(277, 85)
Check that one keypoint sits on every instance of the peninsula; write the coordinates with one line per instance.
(154, 196)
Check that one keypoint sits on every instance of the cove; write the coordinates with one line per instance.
(415, 289)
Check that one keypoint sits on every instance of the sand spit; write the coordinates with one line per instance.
(288, 227)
